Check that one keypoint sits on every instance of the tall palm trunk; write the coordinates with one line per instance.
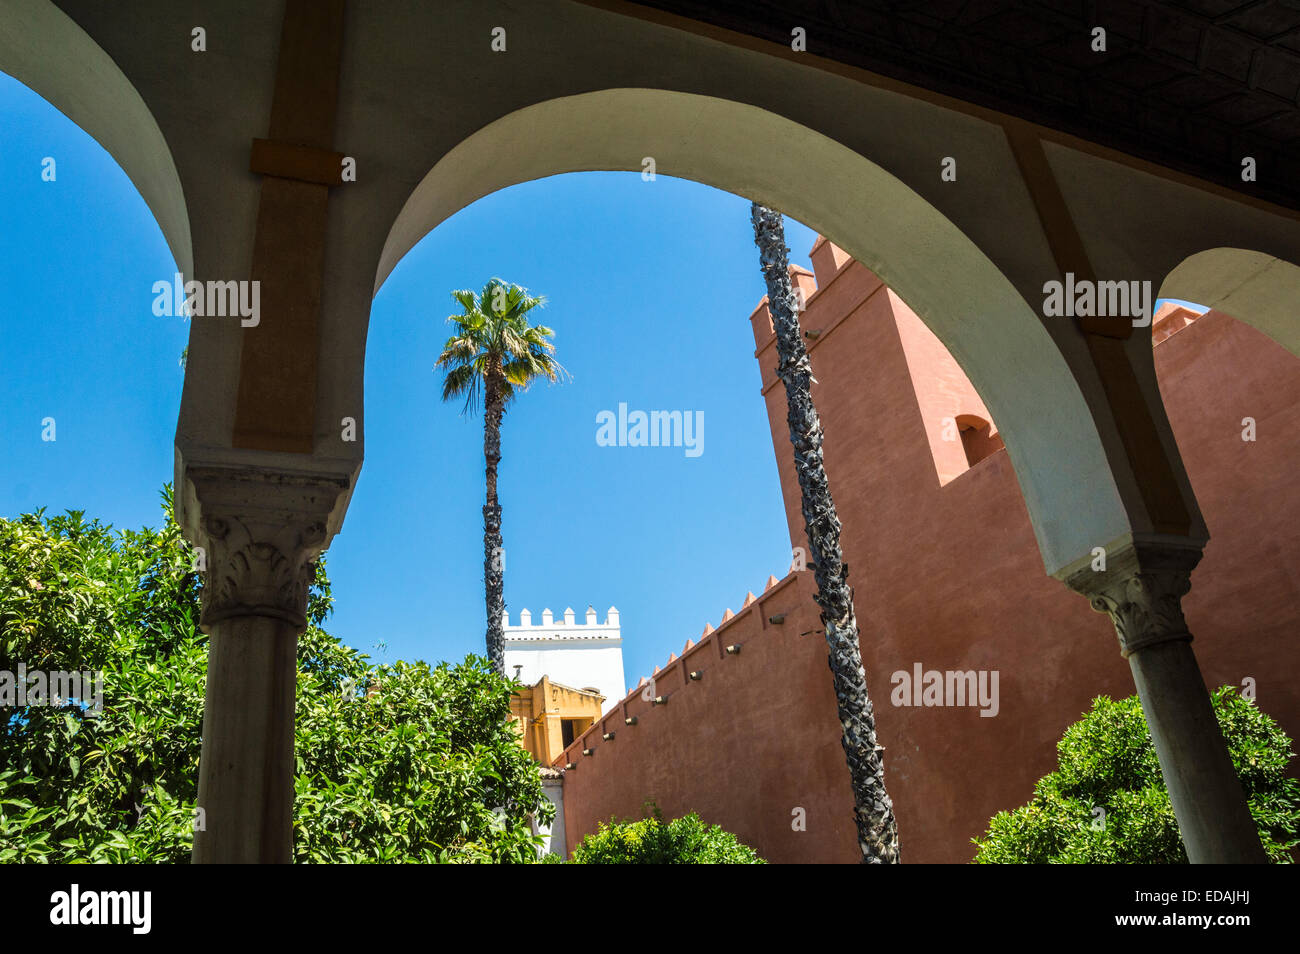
(493, 564)
(873, 811)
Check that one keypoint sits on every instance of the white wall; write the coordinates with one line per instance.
(578, 655)
(553, 789)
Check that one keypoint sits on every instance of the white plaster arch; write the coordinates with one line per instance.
(943, 276)
(1254, 287)
(46, 51)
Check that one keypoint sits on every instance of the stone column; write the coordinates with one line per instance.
(261, 532)
(1141, 589)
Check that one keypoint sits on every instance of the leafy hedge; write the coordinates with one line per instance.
(651, 841)
(1107, 802)
(394, 763)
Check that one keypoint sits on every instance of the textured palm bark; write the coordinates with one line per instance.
(873, 811)
(493, 575)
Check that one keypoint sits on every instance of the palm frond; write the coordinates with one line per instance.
(492, 331)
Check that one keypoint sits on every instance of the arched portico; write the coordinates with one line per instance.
(977, 313)
(263, 473)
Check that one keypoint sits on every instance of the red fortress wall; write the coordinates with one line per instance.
(948, 575)
(747, 745)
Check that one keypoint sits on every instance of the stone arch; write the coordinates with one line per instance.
(42, 48)
(1254, 287)
(991, 331)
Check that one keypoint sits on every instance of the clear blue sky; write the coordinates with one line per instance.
(650, 285)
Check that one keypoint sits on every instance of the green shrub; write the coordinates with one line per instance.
(1107, 802)
(425, 768)
(682, 841)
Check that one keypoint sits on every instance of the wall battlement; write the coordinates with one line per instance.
(727, 617)
(707, 714)
(676, 673)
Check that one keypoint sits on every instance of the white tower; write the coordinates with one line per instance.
(587, 655)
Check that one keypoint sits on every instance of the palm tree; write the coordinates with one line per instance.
(873, 811)
(493, 354)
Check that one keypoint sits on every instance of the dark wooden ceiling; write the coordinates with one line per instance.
(1195, 85)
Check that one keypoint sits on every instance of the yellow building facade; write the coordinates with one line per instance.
(551, 715)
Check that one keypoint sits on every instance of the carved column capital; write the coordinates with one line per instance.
(262, 531)
(1141, 588)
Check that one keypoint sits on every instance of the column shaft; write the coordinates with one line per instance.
(1215, 823)
(246, 769)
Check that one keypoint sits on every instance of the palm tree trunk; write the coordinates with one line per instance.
(493, 564)
(873, 811)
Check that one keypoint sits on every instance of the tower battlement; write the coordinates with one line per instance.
(567, 627)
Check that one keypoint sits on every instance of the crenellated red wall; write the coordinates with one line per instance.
(745, 746)
(949, 576)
